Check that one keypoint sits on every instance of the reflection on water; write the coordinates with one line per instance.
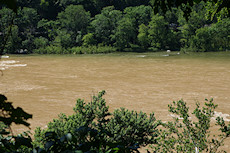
(48, 85)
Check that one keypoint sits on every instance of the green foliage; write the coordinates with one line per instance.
(6, 24)
(214, 9)
(92, 49)
(50, 26)
(139, 14)
(27, 19)
(191, 133)
(203, 40)
(5, 20)
(72, 21)
(125, 33)
(158, 32)
(212, 38)
(88, 39)
(68, 24)
(9, 115)
(143, 36)
(130, 128)
(74, 18)
(19, 143)
(186, 6)
(52, 49)
(93, 128)
(222, 34)
(63, 39)
(13, 43)
(40, 43)
(104, 25)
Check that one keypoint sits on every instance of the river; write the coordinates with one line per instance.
(48, 85)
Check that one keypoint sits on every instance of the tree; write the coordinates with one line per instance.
(186, 6)
(14, 41)
(104, 24)
(158, 32)
(48, 28)
(125, 33)
(6, 24)
(40, 43)
(143, 36)
(26, 21)
(74, 18)
(222, 34)
(211, 38)
(138, 15)
(203, 40)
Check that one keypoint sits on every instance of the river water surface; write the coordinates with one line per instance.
(48, 85)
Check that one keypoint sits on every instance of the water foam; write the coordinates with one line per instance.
(5, 64)
(224, 116)
(16, 65)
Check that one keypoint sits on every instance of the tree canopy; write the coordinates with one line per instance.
(77, 26)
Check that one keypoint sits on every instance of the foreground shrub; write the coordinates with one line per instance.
(9, 115)
(93, 128)
(191, 132)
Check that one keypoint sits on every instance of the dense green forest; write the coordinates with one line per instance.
(95, 26)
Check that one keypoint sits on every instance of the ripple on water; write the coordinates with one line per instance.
(5, 64)
(220, 114)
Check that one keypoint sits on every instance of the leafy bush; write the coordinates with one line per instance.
(9, 115)
(93, 128)
(88, 39)
(132, 129)
(63, 39)
(40, 42)
(92, 50)
(51, 49)
(186, 134)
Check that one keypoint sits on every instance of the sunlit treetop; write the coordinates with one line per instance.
(213, 6)
(219, 7)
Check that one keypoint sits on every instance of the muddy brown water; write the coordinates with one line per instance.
(48, 85)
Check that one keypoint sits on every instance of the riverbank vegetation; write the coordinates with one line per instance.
(93, 128)
(77, 27)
